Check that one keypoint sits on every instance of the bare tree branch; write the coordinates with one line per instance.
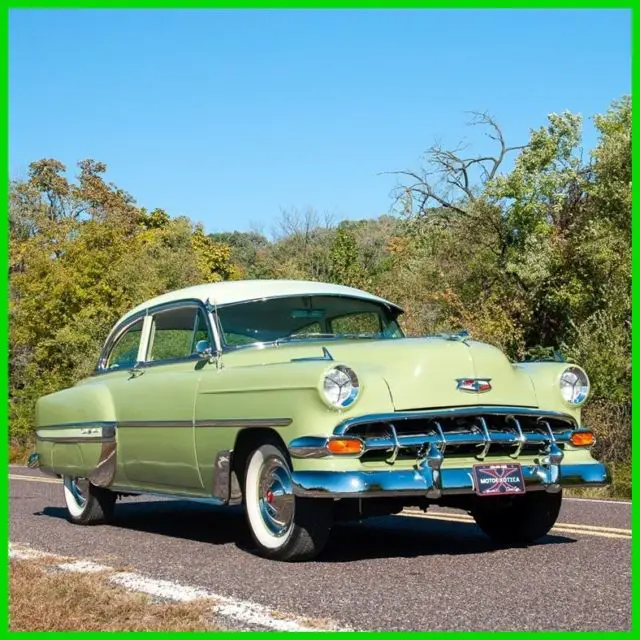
(451, 179)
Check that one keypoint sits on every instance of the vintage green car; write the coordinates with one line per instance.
(306, 403)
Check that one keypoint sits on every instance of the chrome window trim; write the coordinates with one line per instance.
(116, 333)
(170, 306)
(146, 334)
(143, 347)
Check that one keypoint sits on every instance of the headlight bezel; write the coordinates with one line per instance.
(354, 383)
(585, 385)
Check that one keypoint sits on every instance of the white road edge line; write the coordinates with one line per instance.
(246, 613)
(26, 553)
(82, 566)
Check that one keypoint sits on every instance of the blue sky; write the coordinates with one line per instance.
(230, 116)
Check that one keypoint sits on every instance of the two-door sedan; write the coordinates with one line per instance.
(306, 403)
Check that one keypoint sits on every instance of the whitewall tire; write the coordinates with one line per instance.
(86, 503)
(283, 526)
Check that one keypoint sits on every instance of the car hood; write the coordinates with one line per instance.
(425, 372)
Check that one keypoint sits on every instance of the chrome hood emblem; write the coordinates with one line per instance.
(474, 385)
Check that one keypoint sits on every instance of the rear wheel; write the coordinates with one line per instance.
(283, 526)
(86, 503)
(517, 519)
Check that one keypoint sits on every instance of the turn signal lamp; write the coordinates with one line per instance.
(345, 446)
(582, 439)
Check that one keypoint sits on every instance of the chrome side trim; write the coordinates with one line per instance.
(421, 482)
(78, 433)
(109, 428)
(247, 422)
(75, 440)
(141, 424)
(72, 425)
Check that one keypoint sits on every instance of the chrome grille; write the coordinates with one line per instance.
(477, 431)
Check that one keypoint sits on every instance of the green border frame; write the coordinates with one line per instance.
(317, 4)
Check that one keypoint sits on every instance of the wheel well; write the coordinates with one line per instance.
(250, 439)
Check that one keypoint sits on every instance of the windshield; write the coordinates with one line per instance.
(306, 318)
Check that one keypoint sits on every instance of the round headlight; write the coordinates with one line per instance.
(574, 385)
(340, 386)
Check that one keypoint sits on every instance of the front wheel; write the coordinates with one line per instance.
(283, 526)
(86, 503)
(517, 519)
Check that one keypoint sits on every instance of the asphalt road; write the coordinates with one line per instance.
(399, 572)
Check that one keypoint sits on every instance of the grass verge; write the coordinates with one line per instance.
(43, 600)
(19, 450)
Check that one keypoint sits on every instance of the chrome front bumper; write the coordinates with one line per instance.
(427, 482)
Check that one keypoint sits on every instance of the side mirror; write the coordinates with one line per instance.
(204, 350)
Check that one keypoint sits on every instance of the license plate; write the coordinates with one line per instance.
(498, 479)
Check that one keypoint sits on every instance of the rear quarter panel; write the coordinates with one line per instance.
(77, 413)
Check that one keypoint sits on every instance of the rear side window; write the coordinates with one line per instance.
(124, 353)
(175, 332)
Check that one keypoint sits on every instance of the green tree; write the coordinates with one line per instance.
(82, 254)
(530, 257)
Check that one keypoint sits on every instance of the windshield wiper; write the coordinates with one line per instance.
(332, 336)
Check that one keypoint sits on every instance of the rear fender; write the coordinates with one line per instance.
(76, 433)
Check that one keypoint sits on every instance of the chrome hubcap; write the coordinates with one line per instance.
(79, 489)
(275, 497)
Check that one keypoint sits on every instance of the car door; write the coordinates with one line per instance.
(155, 401)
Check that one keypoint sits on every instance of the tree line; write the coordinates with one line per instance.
(527, 247)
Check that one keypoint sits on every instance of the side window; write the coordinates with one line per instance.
(202, 331)
(175, 332)
(124, 353)
(357, 323)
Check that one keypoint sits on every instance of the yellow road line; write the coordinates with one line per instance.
(585, 532)
(591, 527)
(466, 518)
(566, 527)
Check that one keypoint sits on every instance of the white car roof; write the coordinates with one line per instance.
(233, 291)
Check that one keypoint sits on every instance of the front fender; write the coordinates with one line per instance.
(545, 377)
